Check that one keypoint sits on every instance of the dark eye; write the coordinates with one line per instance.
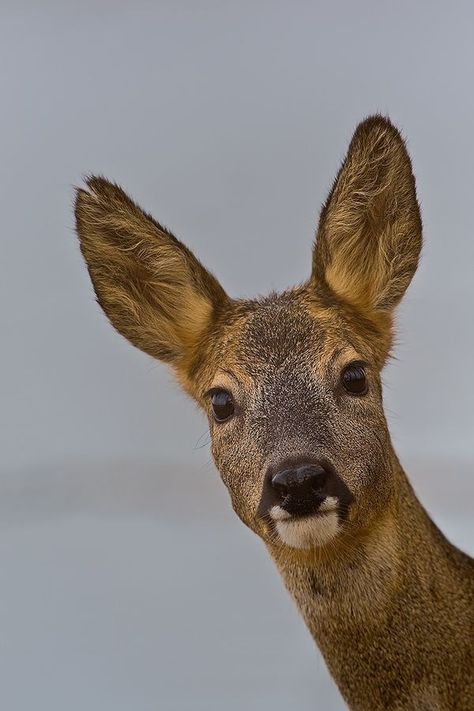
(354, 379)
(222, 405)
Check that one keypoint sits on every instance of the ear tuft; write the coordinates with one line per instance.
(369, 236)
(151, 287)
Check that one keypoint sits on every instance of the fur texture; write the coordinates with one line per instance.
(370, 213)
(388, 599)
(151, 287)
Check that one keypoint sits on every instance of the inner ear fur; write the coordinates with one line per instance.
(151, 287)
(369, 236)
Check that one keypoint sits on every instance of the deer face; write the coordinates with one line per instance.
(296, 419)
(290, 383)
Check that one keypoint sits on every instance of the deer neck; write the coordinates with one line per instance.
(371, 604)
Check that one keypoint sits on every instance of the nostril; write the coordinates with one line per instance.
(313, 477)
(281, 482)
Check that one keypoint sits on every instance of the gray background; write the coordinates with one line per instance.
(126, 582)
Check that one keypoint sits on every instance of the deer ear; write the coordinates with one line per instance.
(151, 287)
(369, 236)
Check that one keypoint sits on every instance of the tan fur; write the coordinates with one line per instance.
(388, 599)
(371, 209)
(151, 287)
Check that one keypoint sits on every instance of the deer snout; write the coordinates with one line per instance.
(301, 488)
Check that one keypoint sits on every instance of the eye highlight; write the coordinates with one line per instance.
(222, 404)
(354, 379)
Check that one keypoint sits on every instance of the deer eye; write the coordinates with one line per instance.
(354, 379)
(222, 405)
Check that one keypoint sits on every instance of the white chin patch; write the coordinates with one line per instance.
(310, 531)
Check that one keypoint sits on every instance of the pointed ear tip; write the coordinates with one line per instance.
(97, 190)
(84, 190)
(378, 124)
(98, 183)
(88, 196)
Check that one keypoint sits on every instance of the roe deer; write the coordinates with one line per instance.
(291, 386)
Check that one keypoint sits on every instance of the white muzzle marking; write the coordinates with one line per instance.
(310, 531)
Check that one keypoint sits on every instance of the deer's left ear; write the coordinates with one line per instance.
(369, 235)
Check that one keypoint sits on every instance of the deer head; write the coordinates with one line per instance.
(290, 383)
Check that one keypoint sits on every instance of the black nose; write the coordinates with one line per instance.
(301, 488)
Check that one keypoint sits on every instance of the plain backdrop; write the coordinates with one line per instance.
(126, 582)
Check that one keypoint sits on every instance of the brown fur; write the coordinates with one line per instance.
(388, 599)
(151, 286)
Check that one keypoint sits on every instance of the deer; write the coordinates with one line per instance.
(291, 385)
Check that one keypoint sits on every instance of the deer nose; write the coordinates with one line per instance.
(301, 488)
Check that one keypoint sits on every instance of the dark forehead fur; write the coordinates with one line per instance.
(292, 328)
(300, 322)
(279, 328)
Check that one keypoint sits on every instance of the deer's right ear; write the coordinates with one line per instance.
(149, 284)
(369, 236)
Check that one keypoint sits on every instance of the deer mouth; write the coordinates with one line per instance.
(326, 507)
(307, 530)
